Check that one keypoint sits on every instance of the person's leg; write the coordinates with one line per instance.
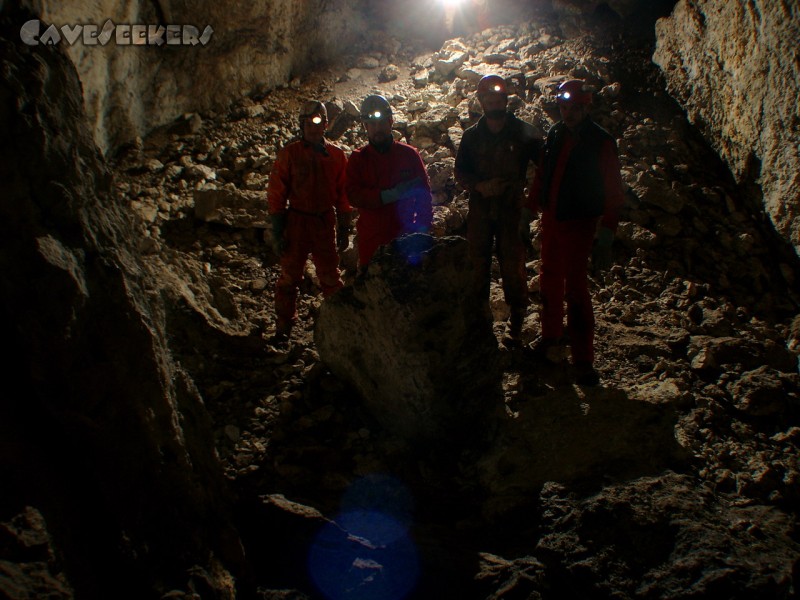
(324, 254)
(551, 279)
(580, 316)
(480, 235)
(293, 262)
(511, 256)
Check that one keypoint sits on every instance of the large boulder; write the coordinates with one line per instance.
(232, 207)
(733, 67)
(414, 341)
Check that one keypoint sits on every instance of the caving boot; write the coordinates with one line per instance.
(585, 374)
(283, 332)
(552, 350)
(512, 339)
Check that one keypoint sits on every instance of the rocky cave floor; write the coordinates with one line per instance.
(677, 477)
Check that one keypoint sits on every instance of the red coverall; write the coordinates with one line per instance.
(567, 245)
(368, 173)
(307, 184)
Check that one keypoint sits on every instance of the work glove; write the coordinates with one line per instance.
(278, 230)
(489, 188)
(601, 253)
(526, 216)
(398, 192)
(343, 220)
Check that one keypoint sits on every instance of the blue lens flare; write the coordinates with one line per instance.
(367, 552)
(414, 247)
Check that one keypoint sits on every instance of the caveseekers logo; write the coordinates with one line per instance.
(122, 35)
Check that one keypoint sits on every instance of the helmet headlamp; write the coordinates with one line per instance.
(574, 91)
(375, 108)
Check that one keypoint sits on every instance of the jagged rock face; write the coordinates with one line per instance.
(255, 47)
(669, 531)
(412, 339)
(28, 559)
(733, 66)
(102, 432)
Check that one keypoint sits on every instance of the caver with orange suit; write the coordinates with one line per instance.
(578, 189)
(387, 183)
(307, 204)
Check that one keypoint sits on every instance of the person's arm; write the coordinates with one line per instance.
(467, 175)
(340, 186)
(423, 201)
(277, 201)
(535, 151)
(278, 185)
(612, 185)
(534, 202)
(602, 257)
(465, 171)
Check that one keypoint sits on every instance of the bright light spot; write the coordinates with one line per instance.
(316, 120)
(451, 3)
(496, 88)
(377, 114)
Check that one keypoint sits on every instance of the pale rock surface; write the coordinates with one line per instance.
(255, 47)
(733, 66)
(412, 340)
(232, 207)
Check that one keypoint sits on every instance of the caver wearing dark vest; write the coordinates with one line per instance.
(579, 197)
(491, 164)
(578, 189)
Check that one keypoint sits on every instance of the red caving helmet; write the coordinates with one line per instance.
(574, 90)
(492, 84)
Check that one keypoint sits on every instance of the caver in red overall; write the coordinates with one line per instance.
(387, 183)
(307, 185)
(369, 172)
(577, 186)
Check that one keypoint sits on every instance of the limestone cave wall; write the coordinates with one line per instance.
(255, 46)
(735, 68)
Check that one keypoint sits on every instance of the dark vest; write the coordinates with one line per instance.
(581, 194)
(505, 154)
